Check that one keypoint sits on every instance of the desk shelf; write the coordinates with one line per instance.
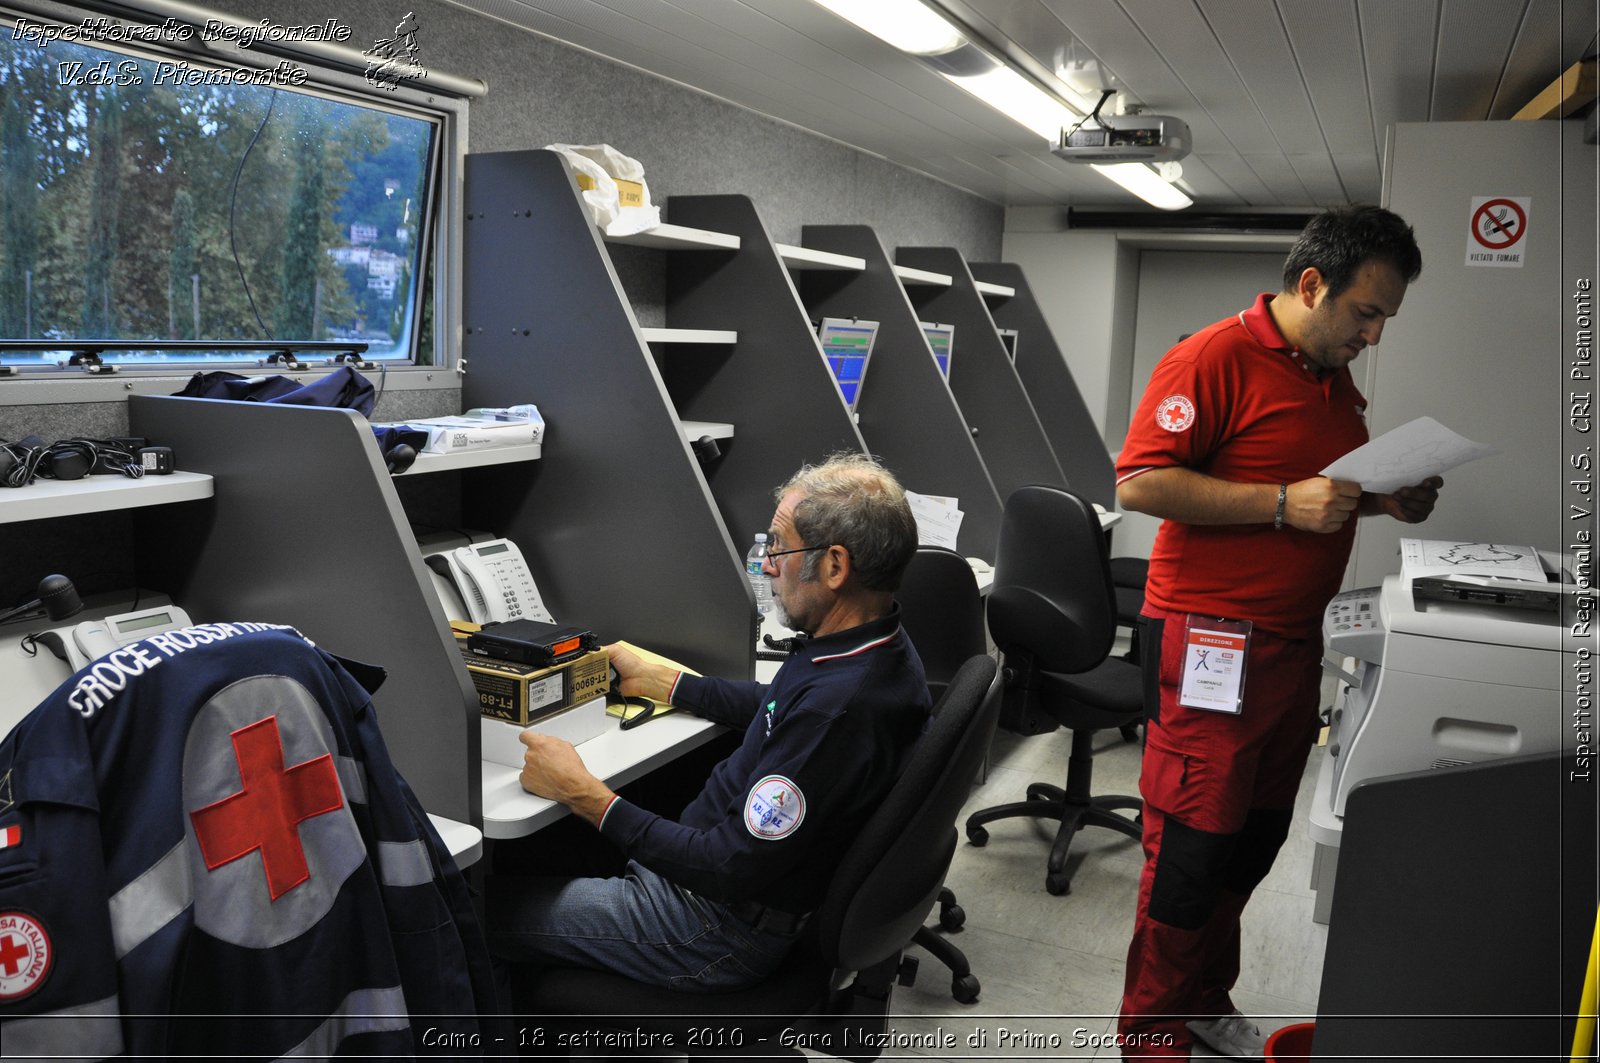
(99, 494)
(796, 257)
(693, 430)
(472, 459)
(689, 335)
(923, 277)
(617, 756)
(678, 238)
(994, 291)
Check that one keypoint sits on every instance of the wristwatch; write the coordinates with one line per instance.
(1277, 518)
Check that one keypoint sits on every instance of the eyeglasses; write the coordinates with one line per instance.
(796, 550)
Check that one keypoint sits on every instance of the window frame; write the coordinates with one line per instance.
(329, 74)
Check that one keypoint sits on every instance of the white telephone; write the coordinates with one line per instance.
(494, 581)
(93, 639)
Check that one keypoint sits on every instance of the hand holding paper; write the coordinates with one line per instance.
(1406, 456)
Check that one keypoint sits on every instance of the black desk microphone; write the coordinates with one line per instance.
(57, 597)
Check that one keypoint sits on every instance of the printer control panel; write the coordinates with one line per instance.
(1352, 625)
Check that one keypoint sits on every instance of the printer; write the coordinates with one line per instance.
(1450, 668)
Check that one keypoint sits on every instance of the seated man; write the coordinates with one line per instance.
(713, 901)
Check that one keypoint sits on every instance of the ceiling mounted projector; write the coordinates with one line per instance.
(1125, 138)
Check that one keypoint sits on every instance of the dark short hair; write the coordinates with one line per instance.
(853, 501)
(1337, 242)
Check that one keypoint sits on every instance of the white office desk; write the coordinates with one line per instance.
(617, 756)
(464, 841)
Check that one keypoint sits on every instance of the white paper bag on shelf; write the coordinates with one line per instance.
(604, 165)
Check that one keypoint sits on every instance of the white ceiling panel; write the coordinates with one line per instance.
(1327, 46)
(1288, 101)
(1182, 35)
(1253, 37)
(1320, 179)
(1475, 38)
(1226, 180)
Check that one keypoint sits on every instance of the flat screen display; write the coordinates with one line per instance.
(847, 345)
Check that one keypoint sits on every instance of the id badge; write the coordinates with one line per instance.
(1214, 655)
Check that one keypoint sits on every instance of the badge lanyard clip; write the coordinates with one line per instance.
(1214, 655)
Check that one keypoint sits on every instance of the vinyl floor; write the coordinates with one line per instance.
(1051, 968)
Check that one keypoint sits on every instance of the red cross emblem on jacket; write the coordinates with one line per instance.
(266, 813)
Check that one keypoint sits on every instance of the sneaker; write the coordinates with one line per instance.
(1233, 1036)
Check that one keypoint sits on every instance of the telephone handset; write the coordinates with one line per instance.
(93, 639)
(494, 581)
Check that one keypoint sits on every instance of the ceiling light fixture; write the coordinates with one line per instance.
(908, 25)
(1145, 183)
(916, 29)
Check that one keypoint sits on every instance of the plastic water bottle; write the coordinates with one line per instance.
(754, 561)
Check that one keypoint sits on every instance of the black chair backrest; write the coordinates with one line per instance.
(890, 876)
(941, 610)
(1052, 600)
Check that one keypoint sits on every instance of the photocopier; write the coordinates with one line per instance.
(1449, 669)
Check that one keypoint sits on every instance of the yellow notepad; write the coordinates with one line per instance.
(629, 711)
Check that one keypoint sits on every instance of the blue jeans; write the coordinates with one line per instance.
(639, 925)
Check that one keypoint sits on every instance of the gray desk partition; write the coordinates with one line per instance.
(305, 529)
(1462, 913)
(909, 417)
(773, 385)
(1012, 441)
(616, 521)
(1045, 376)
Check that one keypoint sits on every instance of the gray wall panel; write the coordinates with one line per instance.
(1048, 381)
(305, 529)
(615, 521)
(997, 409)
(909, 418)
(774, 384)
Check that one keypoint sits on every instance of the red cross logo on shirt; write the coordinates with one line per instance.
(12, 952)
(1175, 413)
(26, 955)
(267, 812)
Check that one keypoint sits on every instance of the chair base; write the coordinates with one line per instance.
(1073, 806)
(1049, 804)
(964, 985)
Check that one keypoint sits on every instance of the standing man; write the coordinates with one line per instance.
(1225, 448)
(712, 902)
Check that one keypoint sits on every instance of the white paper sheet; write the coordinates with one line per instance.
(938, 519)
(1405, 456)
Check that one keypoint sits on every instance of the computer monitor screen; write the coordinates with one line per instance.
(941, 338)
(847, 345)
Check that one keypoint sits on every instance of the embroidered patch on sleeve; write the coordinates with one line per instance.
(26, 955)
(1175, 413)
(774, 809)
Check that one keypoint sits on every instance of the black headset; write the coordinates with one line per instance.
(66, 459)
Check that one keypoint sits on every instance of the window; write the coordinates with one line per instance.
(148, 195)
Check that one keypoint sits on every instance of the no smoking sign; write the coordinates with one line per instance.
(1497, 231)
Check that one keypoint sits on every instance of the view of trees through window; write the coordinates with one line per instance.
(136, 208)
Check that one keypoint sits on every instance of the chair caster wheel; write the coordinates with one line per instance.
(965, 989)
(978, 836)
(952, 918)
(1058, 885)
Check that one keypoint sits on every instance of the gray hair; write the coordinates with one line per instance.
(853, 501)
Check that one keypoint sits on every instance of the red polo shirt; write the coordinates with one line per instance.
(1236, 401)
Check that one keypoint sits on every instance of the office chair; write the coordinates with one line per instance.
(882, 891)
(942, 612)
(1052, 614)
